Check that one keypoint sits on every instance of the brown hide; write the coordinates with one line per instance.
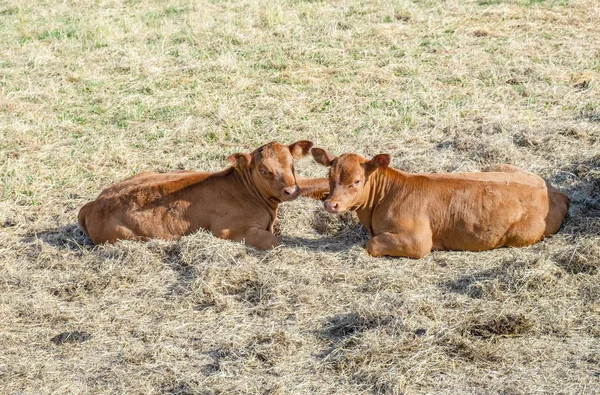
(411, 214)
(238, 203)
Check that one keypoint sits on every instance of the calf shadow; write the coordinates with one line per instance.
(470, 284)
(335, 233)
(342, 241)
(69, 237)
(185, 274)
(580, 181)
(504, 277)
(72, 238)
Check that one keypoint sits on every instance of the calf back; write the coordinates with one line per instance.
(164, 206)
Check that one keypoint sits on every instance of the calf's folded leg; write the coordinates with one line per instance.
(405, 244)
(259, 238)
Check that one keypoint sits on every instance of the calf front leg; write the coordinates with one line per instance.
(410, 245)
(317, 188)
(259, 238)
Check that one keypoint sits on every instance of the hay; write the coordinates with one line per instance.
(93, 92)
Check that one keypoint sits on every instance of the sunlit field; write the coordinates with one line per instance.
(92, 92)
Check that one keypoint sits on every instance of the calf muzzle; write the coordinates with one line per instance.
(332, 206)
(289, 193)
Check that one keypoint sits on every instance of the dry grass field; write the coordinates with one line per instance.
(92, 92)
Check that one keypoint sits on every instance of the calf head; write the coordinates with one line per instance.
(271, 168)
(348, 178)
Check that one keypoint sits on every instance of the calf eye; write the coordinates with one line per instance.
(356, 182)
(264, 171)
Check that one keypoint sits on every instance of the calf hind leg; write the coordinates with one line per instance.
(559, 206)
(400, 244)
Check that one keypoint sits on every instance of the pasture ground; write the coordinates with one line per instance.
(92, 92)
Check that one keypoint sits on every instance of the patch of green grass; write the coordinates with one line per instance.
(175, 11)
(9, 11)
(274, 64)
(490, 2)
(451, 80)
(520, 89)
(166, 113)
(154, 136)
(70, 116)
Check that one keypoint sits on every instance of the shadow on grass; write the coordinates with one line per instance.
(339, 243)
(506, 277)
(337, 233)
(474, 284)
(182, 286)
(69, 237)
(580, 181)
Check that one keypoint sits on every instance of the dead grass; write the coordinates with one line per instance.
(92, 92)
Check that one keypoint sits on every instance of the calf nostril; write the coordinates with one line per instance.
(289, 190)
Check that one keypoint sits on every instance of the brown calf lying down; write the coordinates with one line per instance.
(238, 203)
(410, 214)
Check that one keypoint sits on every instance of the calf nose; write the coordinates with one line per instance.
(288, 191)
(329, 205)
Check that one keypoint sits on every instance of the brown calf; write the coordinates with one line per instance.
(238, 203)
(410, 214)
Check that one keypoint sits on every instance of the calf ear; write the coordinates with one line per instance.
(323, 157)
(240, 160)
(380, 161)
(300, 148)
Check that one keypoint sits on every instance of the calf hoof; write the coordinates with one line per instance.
(265, 244)
(373, 248)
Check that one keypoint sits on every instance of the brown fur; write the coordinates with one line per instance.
(411, 214)
(238, 203)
